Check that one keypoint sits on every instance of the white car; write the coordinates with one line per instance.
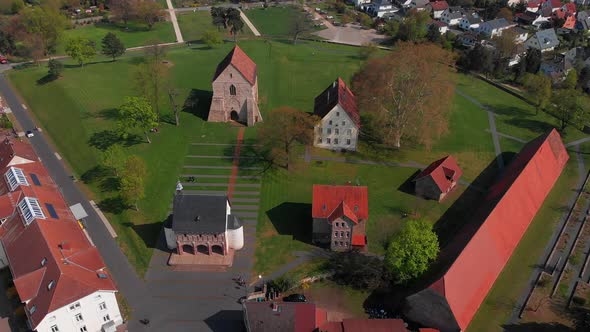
(330, 17)
(29, 134)
(318, 9)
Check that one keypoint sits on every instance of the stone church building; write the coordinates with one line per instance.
(235, 90)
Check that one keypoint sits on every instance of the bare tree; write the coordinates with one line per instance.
(173, 94)
(124, 10)
(151, 77)
(409, 93)
(298, 26)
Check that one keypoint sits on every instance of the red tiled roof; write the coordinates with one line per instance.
(533, 4)
(241, 61)
(509, 207)
(51, 249)
(359, 240)
(570, 8)
(439, 5)
(326, 199)
(337, 94)
(570, 22)
(283, 316)
(559, 13)
(11, 148)
(441, 171)
(343, 210)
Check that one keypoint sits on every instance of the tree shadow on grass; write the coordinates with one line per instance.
(46, 79)
(251, 156)
(102, 140)
(535, 126)
(510, 111)
(114, 205)
(149, 233)
(198, 103)
(536, 327)
(292, 219)
(110, 183)
(109, 114)
(96, 173)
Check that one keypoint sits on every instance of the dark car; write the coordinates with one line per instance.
(3, 59)
(295, 298)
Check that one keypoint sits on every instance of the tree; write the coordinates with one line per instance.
(132, 181)
(368, 50)
(114, 158)
(505, 43)
(218, 17)
(123, 10)
(365, 20)
(299, 25)
(533, 60)
(391, 28)
(411, 251)
(571, 80)
(173, 94)
(433, 34)
(415, 26)
(505, 13)
(284, 127)
(234, 21)
(539, 88)
(356, 270)
(409, 92)
(150, 12)
(112, 46)
(151, 77)
(211, 38)
(566, 106)
(136, 112)
(80, 49)
(55, 67)
(46, 23)
(584, 78)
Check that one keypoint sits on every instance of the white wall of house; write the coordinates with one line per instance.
(336, 131)
(358, 3)
(437, 13)
(468, 26)
(3, 258)
(96, 310)
(533, 42)
(446, 18)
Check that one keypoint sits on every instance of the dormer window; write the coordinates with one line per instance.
(33, 309)
(15, 177)
(2, 221)
(30, 209)
(43, 261)
(50, 285)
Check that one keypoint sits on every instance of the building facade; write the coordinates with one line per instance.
(340, 214)
(339, 126)
(235, 90)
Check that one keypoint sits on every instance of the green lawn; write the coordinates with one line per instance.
(273, 21)
(136, 35)
(193, 24)
(499, 303)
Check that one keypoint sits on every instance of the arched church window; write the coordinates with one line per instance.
(232, 90)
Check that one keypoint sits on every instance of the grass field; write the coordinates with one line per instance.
(193, 24)
(135, 35)
(273, 21)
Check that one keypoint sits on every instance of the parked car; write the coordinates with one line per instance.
(3, 59)
(330, 17)
(30, 134)
(295, 298)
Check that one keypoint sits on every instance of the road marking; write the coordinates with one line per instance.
(24, 106)
(57, 156)
(104, 219)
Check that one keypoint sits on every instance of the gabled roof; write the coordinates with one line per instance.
(472, 18)
(327, 199)
(241, 61)
(439, 5)
(199, 214)
(359, 240)
(570, 8)
(443, 172)
(11, 148)
(570, 23)
(337, 94)
(547, 38)
(500, 23)
(283, 316)
(507, 210)
(343, 210)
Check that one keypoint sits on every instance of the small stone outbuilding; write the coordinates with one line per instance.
(438, 179)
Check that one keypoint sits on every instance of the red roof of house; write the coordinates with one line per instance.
(509, 207)
(559, 13)
(553, 3)
(284, 316)
(337, 94)
(533, 4)
(439, 5)
(11, 148)
(52, 261)
(570, 8)
(570, 22)
(241, 61)
(444, 172)
(359, 240)
(346, 199)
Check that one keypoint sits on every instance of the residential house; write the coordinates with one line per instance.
(582, 2)
(512, 3)
(557, 67)
(359, 3)
(203, 230)
(543, 19)
(235, 90)
(58, 273)
(366, 325)
(479, 254)
(340, 215)
(570, 22)
(533, 6)
(495, 27)
(470, 21)
(380, 8)
(552, 5)
(419, 5)
(526, 18)
(340, 121)
(468, 39)
(518, 53)
(442, 27)
(437, 8)
(544, 40)
(438, 179)
(452, 16)
(520, 34)
(583, 20)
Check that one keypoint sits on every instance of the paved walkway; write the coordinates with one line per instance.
(236, 163)
(248, 23)
(174, 21)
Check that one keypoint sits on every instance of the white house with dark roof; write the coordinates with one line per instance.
(340, 122)
(452, 16)
(544, 40)
(470, 21)
(495, 27)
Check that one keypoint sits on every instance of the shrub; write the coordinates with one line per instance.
(55, 68)
(579, 300)
(281, 284)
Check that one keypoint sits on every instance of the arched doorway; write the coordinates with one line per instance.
(217, 250)
(187, 248)
(234, 115)
(202, 249)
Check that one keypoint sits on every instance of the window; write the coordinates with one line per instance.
(78, 317)
(83, 329)
(102, 275)
(344, 123)
(341, 234)
(54, 328)
(330, 123)
(337, 131)
(232, 90)
(106, 318)
(231, 75)
(335, 243)
(35, 179)
(329, 130)
(75, 306)
(102, 306)
(337, 113)
(50, 285)
(349, 132)
(30, 209)
(347, 233)
(328, 140)
(33, 309)
(335, 141)
(3, 220)
(43, 261)
(51, 211)
(16, 177)
(348, 141)
(319, 140)
(335, 234)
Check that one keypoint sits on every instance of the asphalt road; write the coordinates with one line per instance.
(117, 263)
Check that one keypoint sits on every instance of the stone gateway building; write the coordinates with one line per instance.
(235, 90)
